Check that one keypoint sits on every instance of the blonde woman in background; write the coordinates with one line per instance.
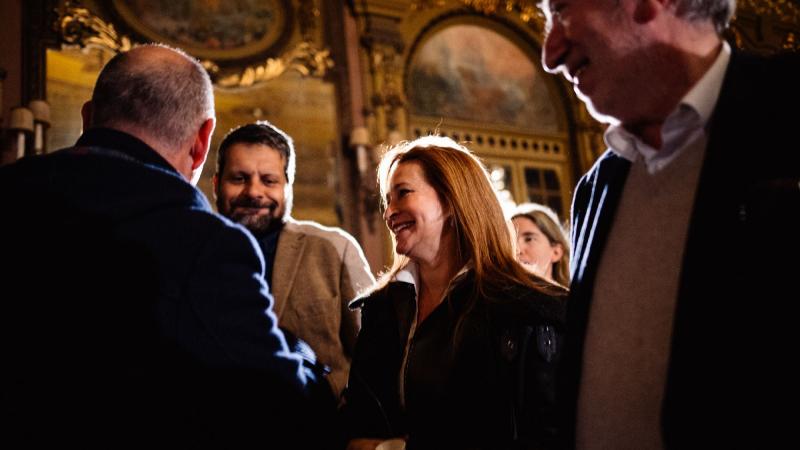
(542, 243)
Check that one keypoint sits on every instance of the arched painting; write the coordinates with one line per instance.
(473, 73)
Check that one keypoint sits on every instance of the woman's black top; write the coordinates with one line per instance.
(473, 377)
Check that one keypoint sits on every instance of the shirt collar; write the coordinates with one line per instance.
(705, 93)
(125, 143)
(692, 112)
(410, 274)
(269, 240)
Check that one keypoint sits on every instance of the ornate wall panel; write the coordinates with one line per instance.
(766, 26)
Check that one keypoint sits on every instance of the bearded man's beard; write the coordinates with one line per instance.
(257, 224)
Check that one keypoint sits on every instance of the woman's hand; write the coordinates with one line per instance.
(363, 444)
(372, 444)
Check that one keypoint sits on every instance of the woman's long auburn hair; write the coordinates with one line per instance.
(483, 237)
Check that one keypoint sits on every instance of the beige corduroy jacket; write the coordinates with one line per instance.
(318, 270)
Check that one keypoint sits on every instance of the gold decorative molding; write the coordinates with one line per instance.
(766, 26)
(307, 17)
(383, 48)
(784, 10)
(387, 99)
(527, 10)
(304, 58)
(420, 5)
(791, 42)
(77, 26)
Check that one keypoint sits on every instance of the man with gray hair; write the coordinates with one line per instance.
(133, 314)
(683, 232)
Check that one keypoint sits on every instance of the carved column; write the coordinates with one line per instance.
(386, 109)
(383, 109)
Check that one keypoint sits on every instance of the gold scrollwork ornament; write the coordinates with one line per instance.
(304, 58)
(77, 26)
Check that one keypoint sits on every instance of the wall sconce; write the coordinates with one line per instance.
(359, 142)
(361, 146)
(41, 122)
(365, 157)
(20, 123)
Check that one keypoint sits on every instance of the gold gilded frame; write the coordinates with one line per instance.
(77, 26)
(135, 20)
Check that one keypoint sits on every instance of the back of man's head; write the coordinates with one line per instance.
(719, 12)
(160, 91)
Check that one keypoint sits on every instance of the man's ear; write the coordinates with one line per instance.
(86, 114)
(215, 184)
(647, 10)
(202, 142)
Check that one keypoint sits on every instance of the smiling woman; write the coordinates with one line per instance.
(415, 216)
(467, 313)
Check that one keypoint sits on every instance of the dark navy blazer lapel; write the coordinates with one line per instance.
(748, 137)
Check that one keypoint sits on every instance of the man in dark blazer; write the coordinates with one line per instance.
(685, 233)
(133, 314)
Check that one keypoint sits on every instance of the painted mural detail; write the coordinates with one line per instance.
(472, 73)
(209, 28)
